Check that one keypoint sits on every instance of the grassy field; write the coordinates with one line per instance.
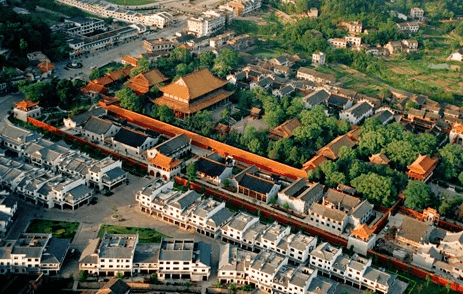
(59, 229)
(264, 53)
(145, 235)
(131, 2)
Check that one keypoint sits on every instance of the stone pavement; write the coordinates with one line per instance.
(92, 216)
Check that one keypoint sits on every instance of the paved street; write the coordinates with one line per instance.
(7, 103)
(105, 56)
(92, 216)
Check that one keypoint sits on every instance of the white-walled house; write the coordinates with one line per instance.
(358, 112)
(212, 170)
(131, 142)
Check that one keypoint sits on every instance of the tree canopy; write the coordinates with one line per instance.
(417, 195)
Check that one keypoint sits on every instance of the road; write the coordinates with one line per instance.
(7, 103)
(105, 56)
(92, 216)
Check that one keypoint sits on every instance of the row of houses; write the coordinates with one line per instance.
(33, 253)
(52, 173)
(272, 273)
(160, 20)
(171, 259)
(83, 44)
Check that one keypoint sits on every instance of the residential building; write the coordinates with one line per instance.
(221, 40)
(114, 286)
(285, 130)
(331, 150)
(312, 12)
(337, 42)
(318, 58)
(106, 174)
(77, 26)
(315, 98)
(97, 130)
(457, 55)
(300, 195)
(207, 24)
(164, 158)
(338, 209)
(8, 209)
(240, 42)
(129, 60)
(339, 102)
(16, 139)
(158, 45)
(212, 170)
(194, 92)
(270, 273)
(254, 184)
(384, 115)
(355, 27)
(81, 44)
(171, 259)
(314, 76)
(422, 168)
(244, 7)
(25, 109)
(32, 253)
(417, 13)
(160, 19)
(209, 216)
(353, 41)
(144, 82)
(409, 45)
(235, 229)
(184, 259)
(132, 142)
(358, 112)
(393, 47)
(283, 91)
(409, 27)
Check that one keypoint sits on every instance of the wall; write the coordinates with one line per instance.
(207, 143)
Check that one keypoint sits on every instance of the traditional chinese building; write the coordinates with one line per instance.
(143, 82)
(422, 168)
(26, 108)
(194, 92)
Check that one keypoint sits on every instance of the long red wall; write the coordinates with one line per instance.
(207, 143)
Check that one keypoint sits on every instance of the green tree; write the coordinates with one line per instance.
(417, 195)
(376, 188)
(23, 45)
(226, 183)
(191, 171)
(37, 91)
(129, 99)
(225, 62)
(82, 276)
(286, 205)
(119, 275)
(206, 60)
(233, 288)
(165, 114)
(452, 160)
